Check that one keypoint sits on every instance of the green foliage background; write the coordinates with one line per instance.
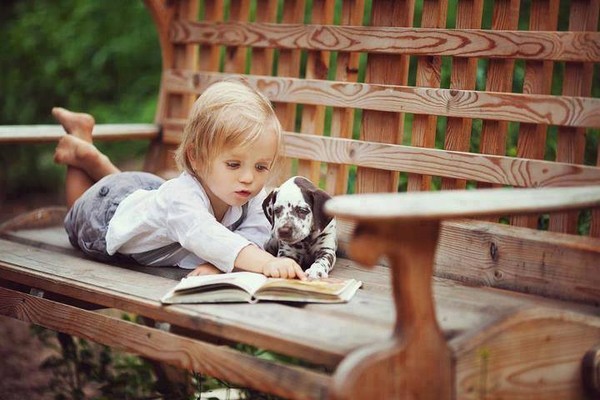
(103, 57)
(100, 57)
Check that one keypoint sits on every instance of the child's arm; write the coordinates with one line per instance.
(253, 259)
(205, 269)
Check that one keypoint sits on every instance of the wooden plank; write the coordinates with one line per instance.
(417, 358)
(235, 56)
(536, 354)
(486, 168)
(577, 81)
(462, 76)
(288, 66)
(317, 67)
(538, 79)
(171, 104)
(51, 133)
(451, 204)
(288, 330)
(342, 119)
(429, 74)
(499, 79)
(479, 43)
(391, 69)
(220, 362)
(519, 259)
(262, 59)
(538, 109)
(595, 223)
(209, 53)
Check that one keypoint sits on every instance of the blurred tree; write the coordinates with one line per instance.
(100, 57)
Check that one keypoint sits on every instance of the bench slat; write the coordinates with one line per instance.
(218, 361)
(51, 133)
(519, 259)
(531, 108)
(289, 330)
(471, 166)
(530, 45)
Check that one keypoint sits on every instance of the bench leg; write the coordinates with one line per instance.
(415, 363)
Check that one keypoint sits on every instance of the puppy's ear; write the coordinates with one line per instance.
(268, 204)
(321, 220)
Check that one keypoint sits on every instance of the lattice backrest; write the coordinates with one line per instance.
(372, 103)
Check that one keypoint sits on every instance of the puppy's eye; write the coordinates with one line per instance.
(302, 211)
(277, 211)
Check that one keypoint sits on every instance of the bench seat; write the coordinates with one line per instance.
(320, 335)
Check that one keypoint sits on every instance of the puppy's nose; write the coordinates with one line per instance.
(285, 232)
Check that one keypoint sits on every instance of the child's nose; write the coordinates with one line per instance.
(247, 175)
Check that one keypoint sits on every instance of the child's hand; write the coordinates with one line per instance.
(205, 269)
(283, 267)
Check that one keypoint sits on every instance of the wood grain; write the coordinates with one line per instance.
(538, 79)
(499, 78)
(462, 76)
(217, 361)
(384, 68)
(289, 66)
(577, 81)
(486, 168)
(342, 119)
(235, 56)
(417, 360)
(317, 67)
(547, 364)
(429, 74)
(454, 204)
(520, 259)
(539, 109)
(534, 45)
(51, 133)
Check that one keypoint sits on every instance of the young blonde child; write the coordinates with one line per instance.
(209, 218)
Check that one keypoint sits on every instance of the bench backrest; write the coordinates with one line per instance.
(388, 95)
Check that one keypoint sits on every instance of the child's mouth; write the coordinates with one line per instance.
(243, 193)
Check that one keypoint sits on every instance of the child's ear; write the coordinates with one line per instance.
(268, 204)
(190, 155)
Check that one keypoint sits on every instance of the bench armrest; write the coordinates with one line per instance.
(455, 204)
(51, 133)
(405, 228)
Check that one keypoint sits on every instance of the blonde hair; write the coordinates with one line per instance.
(228, 114)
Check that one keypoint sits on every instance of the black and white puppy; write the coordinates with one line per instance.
(301, 230)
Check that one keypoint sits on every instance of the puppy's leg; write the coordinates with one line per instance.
(324, 251)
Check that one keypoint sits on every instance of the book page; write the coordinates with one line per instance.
(329, 290)
(333, 286)
(247, 281)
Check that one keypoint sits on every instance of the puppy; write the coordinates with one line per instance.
(301, 230)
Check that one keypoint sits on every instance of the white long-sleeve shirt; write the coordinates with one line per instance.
(180, 211)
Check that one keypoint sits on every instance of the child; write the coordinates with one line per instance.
(209, 218)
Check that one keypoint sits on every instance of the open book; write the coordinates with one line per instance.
(251, 287)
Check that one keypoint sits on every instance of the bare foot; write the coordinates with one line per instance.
(76, 124)
(76, 152)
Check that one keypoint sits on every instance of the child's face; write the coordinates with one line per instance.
(239, 174)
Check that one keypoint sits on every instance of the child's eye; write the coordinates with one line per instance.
(261, 167)
(232, 164)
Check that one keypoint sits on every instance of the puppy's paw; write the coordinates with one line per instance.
(316, 271)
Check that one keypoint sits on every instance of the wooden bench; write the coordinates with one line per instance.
(453, 307)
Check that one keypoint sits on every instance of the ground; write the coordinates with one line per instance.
(21, 354)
